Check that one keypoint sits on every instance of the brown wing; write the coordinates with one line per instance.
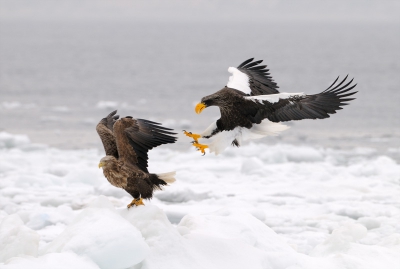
(105, 130)
(135, 137)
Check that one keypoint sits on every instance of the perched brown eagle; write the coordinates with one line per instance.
(251, 106)
(126, 142)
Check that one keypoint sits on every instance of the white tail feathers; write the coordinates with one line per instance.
(167, 177)
(224, 139)
(265, 128)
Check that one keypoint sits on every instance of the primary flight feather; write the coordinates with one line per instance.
(251, 106)
(126, 142)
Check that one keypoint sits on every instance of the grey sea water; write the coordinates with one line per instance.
(57, 80)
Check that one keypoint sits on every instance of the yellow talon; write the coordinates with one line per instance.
(136, 202)
(194, 136)
(200, 147)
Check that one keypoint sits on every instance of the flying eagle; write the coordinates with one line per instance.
(251, 106)
(126, 142)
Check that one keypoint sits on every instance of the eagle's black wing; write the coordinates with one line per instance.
(105, 130)
(142, 136)
(315, 106)
(260, 81)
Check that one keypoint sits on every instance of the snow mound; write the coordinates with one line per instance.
(16, 239)
(229, 224)
(12, 141)
(219, 240)
(341, 249)
(51, 261)
(220, 234)
(181, 195)
(101, 234)
(341, 239)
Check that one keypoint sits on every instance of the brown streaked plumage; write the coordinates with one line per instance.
(126, 142)
(251, 106)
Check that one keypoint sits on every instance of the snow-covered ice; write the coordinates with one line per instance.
(17, 239)
(101, 234)
(258, 206)
(66, 260)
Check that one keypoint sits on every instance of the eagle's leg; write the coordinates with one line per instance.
(136, 202)
(194, 136)
(131, 204)
(139, 202)
(200, 147)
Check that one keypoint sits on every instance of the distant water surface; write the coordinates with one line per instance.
(57, 80)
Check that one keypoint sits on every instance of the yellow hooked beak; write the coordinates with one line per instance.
(101, 165)
(199, 107)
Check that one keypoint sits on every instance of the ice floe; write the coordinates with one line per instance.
(258, 206)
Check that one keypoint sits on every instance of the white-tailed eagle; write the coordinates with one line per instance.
(251, 106)
(126, 142)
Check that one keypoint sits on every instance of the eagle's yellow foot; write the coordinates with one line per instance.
(194, 136)
(136, 202)
(200, 147)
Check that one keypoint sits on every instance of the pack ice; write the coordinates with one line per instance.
(269, 207)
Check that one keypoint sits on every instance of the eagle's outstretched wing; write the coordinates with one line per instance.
(105, 130)
(287, 107)
(135, 137)
(252, 78)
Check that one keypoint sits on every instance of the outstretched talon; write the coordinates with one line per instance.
(194, 136)
(200, 147)
(136, 202)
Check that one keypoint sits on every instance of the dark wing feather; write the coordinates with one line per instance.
(135, 137)
(105, 130)
(316, 106)
(260, 81)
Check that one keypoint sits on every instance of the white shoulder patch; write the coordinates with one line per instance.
(273, 98)
(238, 80)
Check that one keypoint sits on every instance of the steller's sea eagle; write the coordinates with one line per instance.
(126, 142)
(251, 106)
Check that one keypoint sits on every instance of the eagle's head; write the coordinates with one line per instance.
(216, 99)
(108, 162)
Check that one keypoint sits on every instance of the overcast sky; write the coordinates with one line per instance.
(202, 10)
